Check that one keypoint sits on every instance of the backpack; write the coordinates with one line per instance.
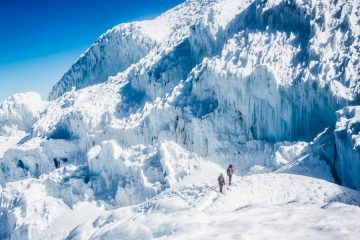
(229, 172)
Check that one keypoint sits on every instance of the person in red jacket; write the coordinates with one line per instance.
(221, 181)
(230, 171)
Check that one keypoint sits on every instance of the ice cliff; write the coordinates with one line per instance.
(265, 70)
(347, 137)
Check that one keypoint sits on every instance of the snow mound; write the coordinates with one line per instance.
(17, 117)
(27, 211)
(21, 110)
(111, 177)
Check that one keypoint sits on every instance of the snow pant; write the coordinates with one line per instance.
(230, 176)
(221, 187)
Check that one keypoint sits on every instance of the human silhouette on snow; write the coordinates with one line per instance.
(230, 171)
(221, 181)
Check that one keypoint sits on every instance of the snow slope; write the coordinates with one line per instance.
(281, 205)
(265, 85)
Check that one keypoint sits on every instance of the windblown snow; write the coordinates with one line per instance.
(132, 138)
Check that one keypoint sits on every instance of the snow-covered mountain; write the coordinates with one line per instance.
(154, 110)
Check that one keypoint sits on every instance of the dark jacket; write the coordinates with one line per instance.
(230, 171)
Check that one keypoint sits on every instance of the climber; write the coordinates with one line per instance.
(221, 181)
(230, 171)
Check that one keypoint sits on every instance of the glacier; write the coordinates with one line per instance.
(271, 86)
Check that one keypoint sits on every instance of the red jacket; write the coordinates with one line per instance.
(221, 180)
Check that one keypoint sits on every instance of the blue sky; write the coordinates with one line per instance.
(40, 39)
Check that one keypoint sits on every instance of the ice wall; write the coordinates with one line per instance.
(127, 44)
(216, 81)
(347, 138)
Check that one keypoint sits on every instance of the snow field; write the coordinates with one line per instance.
(263, 206)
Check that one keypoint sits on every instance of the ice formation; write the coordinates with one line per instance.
(347, 137)
(270, 86)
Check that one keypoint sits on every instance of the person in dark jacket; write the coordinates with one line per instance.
(221, 181)
(230, 171)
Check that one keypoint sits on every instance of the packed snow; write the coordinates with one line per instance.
(132, 139)
(281, 205)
